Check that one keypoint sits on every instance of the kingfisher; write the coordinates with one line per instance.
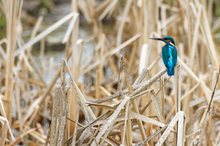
(169, 53)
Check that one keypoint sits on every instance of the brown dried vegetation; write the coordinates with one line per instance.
(116, 91)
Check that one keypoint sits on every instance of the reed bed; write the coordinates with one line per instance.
(116, 92)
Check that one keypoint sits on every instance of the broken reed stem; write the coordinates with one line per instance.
(59, 113)
(180, 123)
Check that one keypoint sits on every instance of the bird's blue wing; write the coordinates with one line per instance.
(165, 55)
(174, 55)
(169, 55)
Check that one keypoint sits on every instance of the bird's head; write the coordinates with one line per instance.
(166, 39)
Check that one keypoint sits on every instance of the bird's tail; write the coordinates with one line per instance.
(170, 71)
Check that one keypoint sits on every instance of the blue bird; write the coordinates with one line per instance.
(169, 53)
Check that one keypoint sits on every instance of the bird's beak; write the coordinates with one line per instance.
(158, 39)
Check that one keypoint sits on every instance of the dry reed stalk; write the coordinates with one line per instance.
(71, 27)
(91, 8)
(4, 119)
(99, 72)
(145, 71)
(195, 37)
(213, 91)
(180, 124)
(157, 106)
(17, 98)
(59, 113)
(102, 6)
(71, 36)
(122, 22)
(138, 88)
(126, 131)
(143, 58)
(12, 12)
(76, 126)
(209, 39)
(150, 137)
(82, 6)
(147, 120)
(38, 136)
(190, 91)
(27, 123)
(35, 30)
(108, 10)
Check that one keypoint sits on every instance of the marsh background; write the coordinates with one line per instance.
(84, 72)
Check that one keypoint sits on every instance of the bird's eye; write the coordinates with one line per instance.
(169, 41)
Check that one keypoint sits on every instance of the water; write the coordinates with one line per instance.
(54, 53)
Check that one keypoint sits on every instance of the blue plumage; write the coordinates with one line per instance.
(169, 54)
